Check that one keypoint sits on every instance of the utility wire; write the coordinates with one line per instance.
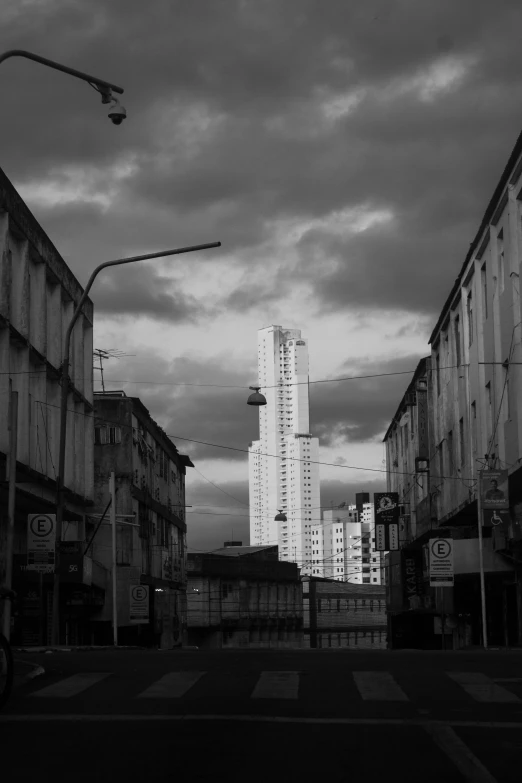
(282, 384)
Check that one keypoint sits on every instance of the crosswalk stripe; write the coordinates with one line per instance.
(482, 688)
(378, 686)
(277, 685)
(171, 686)
(71, 686)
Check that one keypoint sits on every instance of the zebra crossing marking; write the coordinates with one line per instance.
(171, 686)
(482, 688)
(378, 686)
(276, 685)
(71, 686)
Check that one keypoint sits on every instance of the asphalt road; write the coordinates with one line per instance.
(288, 715)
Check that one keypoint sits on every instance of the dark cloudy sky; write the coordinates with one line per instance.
(342, 152)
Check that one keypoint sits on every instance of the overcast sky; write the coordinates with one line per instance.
(342, 152)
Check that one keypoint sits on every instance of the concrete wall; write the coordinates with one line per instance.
(227, 611)
(38, 294)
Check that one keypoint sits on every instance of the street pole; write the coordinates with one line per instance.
(112, 489)
(92, 80)
(11, 505)
(480, 516)
(65, 382)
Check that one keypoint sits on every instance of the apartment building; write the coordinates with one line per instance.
(289, 481)
(343, 546)
(243, 596)
(466, 396)
(151, 521)
(38, 295)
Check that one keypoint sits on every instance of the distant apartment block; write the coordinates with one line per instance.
(343, 546)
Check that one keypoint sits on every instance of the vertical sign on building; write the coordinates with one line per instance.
(494, 497)
(386, 508)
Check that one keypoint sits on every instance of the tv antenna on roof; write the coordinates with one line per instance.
(110, 353)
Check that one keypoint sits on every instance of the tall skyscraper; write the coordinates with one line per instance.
(283, 469)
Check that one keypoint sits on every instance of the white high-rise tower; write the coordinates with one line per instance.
(287, 479)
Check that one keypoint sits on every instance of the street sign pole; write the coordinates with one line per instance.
(11, 505)
(480, 516)
(112, 488)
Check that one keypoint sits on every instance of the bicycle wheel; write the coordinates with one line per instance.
(6, 670)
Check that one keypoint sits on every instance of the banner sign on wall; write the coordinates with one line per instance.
(412, 580)
(494, 489)
(386, 510)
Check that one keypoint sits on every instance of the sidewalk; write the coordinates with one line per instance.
(76, 648)
(25, 672)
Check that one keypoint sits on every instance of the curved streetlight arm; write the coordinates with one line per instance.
(65, 362)
(64, 68)
(63, 407)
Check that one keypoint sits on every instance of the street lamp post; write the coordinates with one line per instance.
(116, 114)
(103, 87)
(65, 382)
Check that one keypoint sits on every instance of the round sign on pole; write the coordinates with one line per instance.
(440, 548)
(41, 525)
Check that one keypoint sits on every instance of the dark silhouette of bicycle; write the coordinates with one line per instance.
(6, 657)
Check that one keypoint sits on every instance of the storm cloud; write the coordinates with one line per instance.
(343, 153)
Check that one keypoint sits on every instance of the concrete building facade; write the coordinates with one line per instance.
(151, 523)
(243, 596)
(38, 295)
(288, 481)
(468, 393)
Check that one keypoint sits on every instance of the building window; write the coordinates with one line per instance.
(501, 260)
(462, 446)
(474, 426)
(489, 413)
(437, 372)
(338, 605)
(484, 286)
(450, 453)
(319, 605)
(456, 333)
(226, 589)
(469, 308)
(107, 436)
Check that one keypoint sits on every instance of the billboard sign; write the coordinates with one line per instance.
(494, 489)
(386, 510)
(441, 562)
